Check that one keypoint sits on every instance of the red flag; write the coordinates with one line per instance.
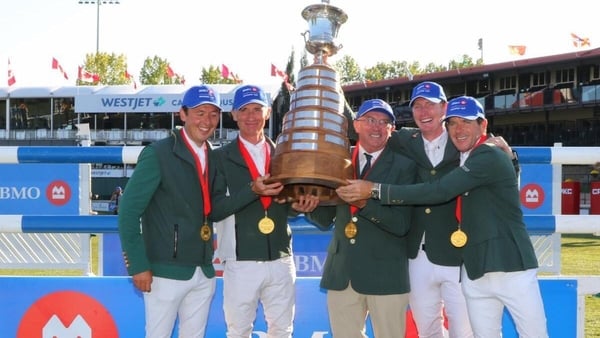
(276, 72)
(517, 50)
(580, 42)
(85, 76)
(130, 77)
(170, 72)
(56, 65)
(273, 70)
(11, 77)
(283, 75)
(225, 71)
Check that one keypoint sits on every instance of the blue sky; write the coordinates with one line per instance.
(248, 36)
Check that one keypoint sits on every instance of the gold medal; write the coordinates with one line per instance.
(266, 225)
(350, 230)
(458, 238)
(205, 232)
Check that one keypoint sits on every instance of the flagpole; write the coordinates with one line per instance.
(97, 26)
(97, 3)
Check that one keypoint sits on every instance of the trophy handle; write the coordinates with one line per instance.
(304, 36)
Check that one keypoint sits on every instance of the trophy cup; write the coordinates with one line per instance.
(313, 151)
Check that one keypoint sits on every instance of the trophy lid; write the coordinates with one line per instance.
(325, 10)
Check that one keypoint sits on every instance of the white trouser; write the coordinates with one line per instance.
(188, 299)
(519, 291)
(245, 283)
(433, 290)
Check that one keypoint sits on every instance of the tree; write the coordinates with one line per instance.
(110, 68)
(213, 75)
(304, 59)
(281, 104)
(466, 62)
(157, 71)
(348, 70)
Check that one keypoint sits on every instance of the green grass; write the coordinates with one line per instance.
(580, 255)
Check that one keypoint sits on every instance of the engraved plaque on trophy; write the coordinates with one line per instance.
(313, 151)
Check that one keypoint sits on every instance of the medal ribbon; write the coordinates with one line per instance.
(264, 200)
(459, 198)
(202, 174)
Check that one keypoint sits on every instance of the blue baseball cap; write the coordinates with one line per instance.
(198, 95)
(376, 105)
(465, 107)
(428, 90)
(249, 94)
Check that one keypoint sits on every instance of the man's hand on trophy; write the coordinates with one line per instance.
(260, 187)
(355, 191)
(306, 203)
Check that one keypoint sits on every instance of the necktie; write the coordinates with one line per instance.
(367, 165)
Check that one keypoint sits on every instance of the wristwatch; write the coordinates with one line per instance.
(375, 191)
(515, 162)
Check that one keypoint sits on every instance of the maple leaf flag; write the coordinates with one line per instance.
(283, 75)
(276, 72)
(56, 65)
(11, 77)
(85, 76)
(517, 50)
(130, 77)
(225, 71)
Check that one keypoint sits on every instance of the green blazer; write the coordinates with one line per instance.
(232, 195)
(436, 221)
(491, 210)
(375, 260)
(164, 194)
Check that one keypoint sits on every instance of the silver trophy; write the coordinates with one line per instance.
(324, 24)
(313, 151)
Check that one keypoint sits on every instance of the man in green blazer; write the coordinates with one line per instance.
(253, 235)
(366, 269)
(499, 261)
(169, 253)
(434, 263)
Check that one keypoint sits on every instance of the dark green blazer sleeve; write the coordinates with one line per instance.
(136, 197)
(491, 212)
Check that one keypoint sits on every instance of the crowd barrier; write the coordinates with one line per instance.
(540, 194)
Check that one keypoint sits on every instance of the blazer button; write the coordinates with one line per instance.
(428, 211)
(433, 172)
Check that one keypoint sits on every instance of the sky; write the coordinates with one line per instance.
(249, 36)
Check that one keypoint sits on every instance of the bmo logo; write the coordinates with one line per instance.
(67, 314)
(532, 196)
(58, 193)
(596, 191)
(567, 191)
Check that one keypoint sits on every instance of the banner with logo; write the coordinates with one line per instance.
(110, 307)
(39, 189)
(536, 189)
